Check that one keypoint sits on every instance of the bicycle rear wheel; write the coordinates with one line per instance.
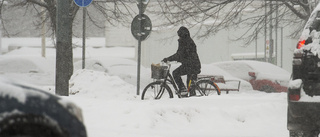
(208, 87)
(156, 90)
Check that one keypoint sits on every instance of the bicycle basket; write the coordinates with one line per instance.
(158, 71)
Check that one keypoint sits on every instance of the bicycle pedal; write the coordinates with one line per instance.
(192, 95)
(182, 96)
(183, 93)
(196, 96)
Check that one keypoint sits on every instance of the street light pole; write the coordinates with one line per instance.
(270, 36)
(276, 31)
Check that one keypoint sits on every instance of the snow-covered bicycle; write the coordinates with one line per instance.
(163, 82)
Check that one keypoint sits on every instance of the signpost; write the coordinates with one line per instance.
(145, 22)
(83, 4)
(140, 28)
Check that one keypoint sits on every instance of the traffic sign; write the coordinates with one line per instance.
(145, 24)
(82, 3)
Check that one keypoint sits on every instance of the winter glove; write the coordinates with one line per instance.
(165, 60)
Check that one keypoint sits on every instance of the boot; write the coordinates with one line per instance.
(183, 92)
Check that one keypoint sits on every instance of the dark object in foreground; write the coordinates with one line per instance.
(304, 88)
(27, 111)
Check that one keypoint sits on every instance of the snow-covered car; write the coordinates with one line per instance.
(304, 87)
(35, 70)
(230, 82)
(28, 111)
(126, 69)
(263, 76)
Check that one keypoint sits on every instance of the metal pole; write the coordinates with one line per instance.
(270, 36)
(256, 41)
(265, 30)
(139, 63)
(276, 29)
(139, 48)
(84, 37)
(281, 46)
(43, 32)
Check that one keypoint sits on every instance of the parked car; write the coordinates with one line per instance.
(263, 76)
(126, 69)
(229, 82)
(304, 88)
(35, 70)
(28, 111)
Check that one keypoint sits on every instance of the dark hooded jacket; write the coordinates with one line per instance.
(187, 52)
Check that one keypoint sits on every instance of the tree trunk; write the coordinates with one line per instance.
(64, 62)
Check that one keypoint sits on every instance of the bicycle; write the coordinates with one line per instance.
(161, 87)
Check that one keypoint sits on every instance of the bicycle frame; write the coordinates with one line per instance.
(170, 80)
(161, 86)
(173, 83)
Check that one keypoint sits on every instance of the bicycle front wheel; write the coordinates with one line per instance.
(208, 87)
(156, 90)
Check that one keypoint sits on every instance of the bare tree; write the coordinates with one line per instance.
(118, 11)
(61, 15)
(211, 16)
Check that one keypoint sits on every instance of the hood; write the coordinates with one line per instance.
(183, 32)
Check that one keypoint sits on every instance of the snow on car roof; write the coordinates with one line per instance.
(20, 64)
(235, 68)
(314, 46)
(311, 18)
(13, 90)
(102, 64)
(263, 69)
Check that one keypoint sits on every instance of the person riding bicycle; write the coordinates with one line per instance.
(188, 57)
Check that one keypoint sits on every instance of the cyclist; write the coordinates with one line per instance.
(188, 57)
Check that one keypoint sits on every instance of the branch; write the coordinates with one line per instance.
(299, 14)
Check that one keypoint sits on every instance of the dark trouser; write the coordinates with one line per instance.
(180, 71)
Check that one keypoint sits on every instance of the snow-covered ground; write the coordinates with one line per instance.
(111, 107)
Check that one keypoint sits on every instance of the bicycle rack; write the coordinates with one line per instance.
(220, 79)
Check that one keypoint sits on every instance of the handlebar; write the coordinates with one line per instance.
(169, 62)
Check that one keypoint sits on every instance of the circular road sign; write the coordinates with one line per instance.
(145, 24)
(82, 3)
